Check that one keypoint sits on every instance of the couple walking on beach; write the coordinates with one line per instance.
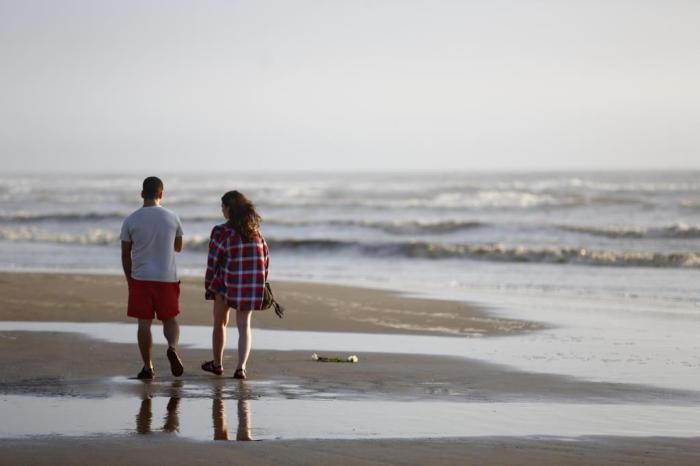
(236, 274)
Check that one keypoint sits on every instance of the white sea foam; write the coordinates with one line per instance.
(31, 234)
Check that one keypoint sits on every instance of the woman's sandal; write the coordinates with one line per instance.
(239, 374)
(211, 366)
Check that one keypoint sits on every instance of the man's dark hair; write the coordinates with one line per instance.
(151, 187)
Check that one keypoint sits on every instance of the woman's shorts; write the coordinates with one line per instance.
(149, 299)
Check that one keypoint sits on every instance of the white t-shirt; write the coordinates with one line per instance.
(152, 231)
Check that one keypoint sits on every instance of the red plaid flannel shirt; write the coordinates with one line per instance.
(237, 270)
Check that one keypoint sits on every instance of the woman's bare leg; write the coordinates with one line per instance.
(244, 337)
(218, 338)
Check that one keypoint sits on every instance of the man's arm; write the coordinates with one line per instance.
(126, 258)
(178, 243)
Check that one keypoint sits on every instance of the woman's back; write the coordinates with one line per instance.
(237, 267)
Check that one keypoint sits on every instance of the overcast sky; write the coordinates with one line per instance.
(361, 85)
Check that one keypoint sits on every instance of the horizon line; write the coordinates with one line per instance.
(362, 171)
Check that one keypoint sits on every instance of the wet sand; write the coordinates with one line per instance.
(312, 307)
(56, 364)
(51, 364)
(163, 449)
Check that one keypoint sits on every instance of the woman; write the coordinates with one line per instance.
(236, 276)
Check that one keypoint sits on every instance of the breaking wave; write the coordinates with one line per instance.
(77, 217)
(395, 228)
(91, 237)
(492, 252)
(62, 217)
(485, 252)
(673, 231)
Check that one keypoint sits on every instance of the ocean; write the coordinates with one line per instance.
(581, 232)
(609, 261)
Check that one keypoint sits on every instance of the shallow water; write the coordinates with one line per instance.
(244, 417)
(604, 352)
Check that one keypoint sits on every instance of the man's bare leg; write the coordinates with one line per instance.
(171, 330)
(145, 342)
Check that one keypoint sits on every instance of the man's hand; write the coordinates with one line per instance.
(178, 243)
(126, 259)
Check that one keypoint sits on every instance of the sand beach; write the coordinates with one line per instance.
(56, 365)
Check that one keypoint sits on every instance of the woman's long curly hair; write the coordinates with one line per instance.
(242, 216)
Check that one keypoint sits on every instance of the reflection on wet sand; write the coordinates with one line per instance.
(171, 422)
(243, 433)
(144, 416)
(219, 418)
(218, 414)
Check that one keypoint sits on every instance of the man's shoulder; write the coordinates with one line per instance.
(149, 214)
(169, 214)
(156, 212)
(133, 215)
(167, 211)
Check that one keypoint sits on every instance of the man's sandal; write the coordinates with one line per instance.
(211, 366)
(146, 374)
(175, 362)
(239, 374)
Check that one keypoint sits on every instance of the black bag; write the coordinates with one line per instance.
(269, 301)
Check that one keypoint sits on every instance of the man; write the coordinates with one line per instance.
(150, 237)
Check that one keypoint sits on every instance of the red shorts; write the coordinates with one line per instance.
(148, 299)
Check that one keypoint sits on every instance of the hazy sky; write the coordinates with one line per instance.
(325, 84)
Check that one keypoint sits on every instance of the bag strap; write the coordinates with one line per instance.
(279, 309)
